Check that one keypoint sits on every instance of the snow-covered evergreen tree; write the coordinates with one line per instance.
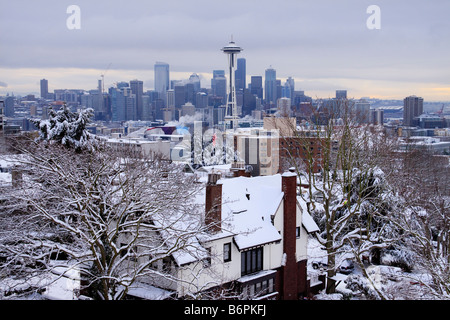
(66, 127)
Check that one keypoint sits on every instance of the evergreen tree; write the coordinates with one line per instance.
(66, 127)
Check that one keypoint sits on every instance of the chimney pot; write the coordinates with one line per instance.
(213, 178)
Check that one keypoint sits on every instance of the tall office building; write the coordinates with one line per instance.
(137, 88)
(256, 87)
(170, 99)
(44, 88)
(291, 83)
(412, 107)
(270, 86)
(287, 90)
(162, 79)
(240, 74)
(117, 104)
(219, 85)
(123, 104)
(179, 98)
(195, 80)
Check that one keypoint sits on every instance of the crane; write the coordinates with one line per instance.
(103, 77)
(441, 111)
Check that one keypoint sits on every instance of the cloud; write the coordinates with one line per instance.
(308, 40)
(3, 84)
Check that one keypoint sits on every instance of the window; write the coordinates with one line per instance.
(259, 288)
(227, 252)
(297, 232)
(251, 261)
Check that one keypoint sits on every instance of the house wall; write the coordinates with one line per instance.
(200, 276)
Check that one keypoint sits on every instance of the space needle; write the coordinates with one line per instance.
(231, 108)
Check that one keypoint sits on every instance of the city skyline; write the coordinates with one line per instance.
(323, 45)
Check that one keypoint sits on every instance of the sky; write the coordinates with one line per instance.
(325, 45)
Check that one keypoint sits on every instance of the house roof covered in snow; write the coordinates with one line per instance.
(248, 208)
(248, 205)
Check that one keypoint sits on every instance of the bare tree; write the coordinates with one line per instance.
(424, 218)
(113, 216)
(338, 161)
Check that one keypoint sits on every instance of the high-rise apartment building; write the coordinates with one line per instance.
(44, 88)
(270, 86)
(377, 116)
(412, 107)
(162, 79)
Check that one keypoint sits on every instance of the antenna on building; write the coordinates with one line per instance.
(103, 77)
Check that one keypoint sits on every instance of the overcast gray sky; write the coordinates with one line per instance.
(324, 45)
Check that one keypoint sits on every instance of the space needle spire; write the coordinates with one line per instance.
(231, 108)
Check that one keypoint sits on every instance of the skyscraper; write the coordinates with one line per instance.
(123, 104)
(412, 107)
(240, 74)
(256, 87)
(270, 86)
(195, 80)
(291, 83)
(137, 88)
(179, 98)
(219, 85)
(44, 88)
(162, 79)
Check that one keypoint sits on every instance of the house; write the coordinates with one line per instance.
(256, 247)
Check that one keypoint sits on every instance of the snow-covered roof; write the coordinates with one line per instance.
(247, 207)
(308, 222)
(146, 291)
(5, 178)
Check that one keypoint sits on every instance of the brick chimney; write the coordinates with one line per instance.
(238, 169)
(213, 205)
(289, 270)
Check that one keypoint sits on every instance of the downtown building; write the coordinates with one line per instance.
(412, 108)
(162, 80)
